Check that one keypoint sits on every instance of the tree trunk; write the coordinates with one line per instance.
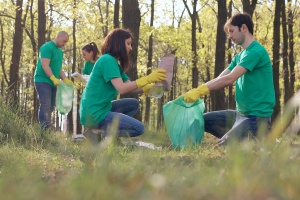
(13, 85)
(2, 59)
(131, 17)
(249, 7)
(286, 72)
(70, 115)
(29, 80)
(231, 95)
(291, 48)
(218, 96)
(116, 14)
(104, 19)
(149, 63)
(41, 41)
(193, 15)
(276, 59)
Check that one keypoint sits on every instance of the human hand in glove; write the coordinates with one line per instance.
(146, 89)
(155, 76)
(68, 81)
(55, 80)
(194, 94)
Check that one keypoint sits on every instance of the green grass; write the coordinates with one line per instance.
(40, 165)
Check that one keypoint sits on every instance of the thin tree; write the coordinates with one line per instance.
(284, 54)
(131, 18)
(276, 56)
(13, 85)
(104, 19)
(41, 40)
(193, 15)
(249, 7)
(149, 62)
(291, 47)
(116, 14)
(70, 115)
(2, 58)
(231, 96)
(218, 96)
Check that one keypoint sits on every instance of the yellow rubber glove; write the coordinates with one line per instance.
(55, 80)
(155, 76)
(146, 89)
(68, 81)
(194, 94)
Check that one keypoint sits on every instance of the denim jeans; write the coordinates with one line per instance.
(232, 125)
(46, 95)
(123, 110)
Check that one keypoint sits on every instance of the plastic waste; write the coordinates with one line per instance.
(156, 91)
(143, 144)
(64, 98)
(167, 63)
(184, 122)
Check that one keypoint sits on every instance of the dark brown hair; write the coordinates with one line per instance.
(114, 44)
(92, 47)
(240, 19)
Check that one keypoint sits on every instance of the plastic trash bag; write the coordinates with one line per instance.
(184, 122)
(64, 98)
(167, 63)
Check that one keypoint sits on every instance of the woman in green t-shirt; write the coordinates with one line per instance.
(98, 107)
(90, 53)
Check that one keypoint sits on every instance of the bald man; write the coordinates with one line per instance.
(47, 74)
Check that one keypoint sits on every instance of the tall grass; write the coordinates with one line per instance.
(54, 167)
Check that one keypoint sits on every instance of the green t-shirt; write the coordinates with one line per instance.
(88, 67)
(99, 91)
(255, 93)
(55, 54)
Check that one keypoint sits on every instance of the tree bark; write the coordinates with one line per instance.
(41, 41)
(286, 72)
(249, 7)
(291, 48)
(13, 85)
(218, 96)
(193, 15)
(131, 17)
(276, 58)
(231, 95)
(116, 14)
(149, 63)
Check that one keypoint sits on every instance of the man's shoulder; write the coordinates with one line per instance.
(48, 44)
(257, 45)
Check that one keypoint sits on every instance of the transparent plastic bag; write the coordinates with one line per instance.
(167, 63)
(184, 122)
(64, 98)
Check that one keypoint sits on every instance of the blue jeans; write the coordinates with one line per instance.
(123, 110)
(232, 125)
(46, 95)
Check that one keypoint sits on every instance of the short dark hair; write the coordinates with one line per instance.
(114, 44)
(240, 19)
(92, 47)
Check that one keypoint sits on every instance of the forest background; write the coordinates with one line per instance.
(190, 29)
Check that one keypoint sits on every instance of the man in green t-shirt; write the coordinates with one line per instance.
(251, 70)
(47, 74)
